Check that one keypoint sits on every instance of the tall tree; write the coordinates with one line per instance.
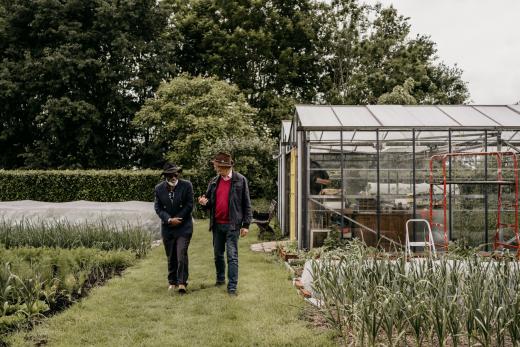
(73, 73)
(367, 51)
(191, 119)
(267, 48)
(282, 52)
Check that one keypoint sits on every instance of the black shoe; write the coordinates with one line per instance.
(232, 293)
(218, 283)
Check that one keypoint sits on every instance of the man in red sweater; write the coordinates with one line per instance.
(228, 201)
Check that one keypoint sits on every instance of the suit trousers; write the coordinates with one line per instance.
(176, 248)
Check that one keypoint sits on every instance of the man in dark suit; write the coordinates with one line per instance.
(174, 205)
(228, 201)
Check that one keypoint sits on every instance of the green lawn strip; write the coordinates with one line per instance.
(137, 310)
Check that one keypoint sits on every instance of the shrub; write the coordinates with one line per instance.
(72, 185)
(192, 118)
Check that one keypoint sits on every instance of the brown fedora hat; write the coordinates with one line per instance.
(170, 168)
(223, 159)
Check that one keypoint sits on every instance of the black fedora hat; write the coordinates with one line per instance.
(223, 159)
(170, 168)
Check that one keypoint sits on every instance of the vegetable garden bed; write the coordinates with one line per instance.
(374, 298)
(46, 267)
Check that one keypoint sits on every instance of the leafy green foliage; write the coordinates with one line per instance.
(73, 74)
(380, 299)
(72, 185)
(61, 234)
(400, 95)
(194, 118)
(266, 48)
(146, 313)
(35, 281)
(333, 240)
(367, 51)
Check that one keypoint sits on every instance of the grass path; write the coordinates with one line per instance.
(136, 310)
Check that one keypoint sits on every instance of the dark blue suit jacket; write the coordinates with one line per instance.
(182, 206)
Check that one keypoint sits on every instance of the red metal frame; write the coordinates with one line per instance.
(499, 155)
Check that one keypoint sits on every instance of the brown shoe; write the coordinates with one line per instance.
(182, 289)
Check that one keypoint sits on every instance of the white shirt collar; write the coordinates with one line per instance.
(228, 177)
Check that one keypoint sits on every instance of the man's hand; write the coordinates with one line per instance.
(175, 221)
(203, 200)
(243, 232)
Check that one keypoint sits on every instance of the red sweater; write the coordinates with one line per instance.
(222, 203)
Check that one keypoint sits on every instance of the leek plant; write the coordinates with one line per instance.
(373, 299)
(64, 234)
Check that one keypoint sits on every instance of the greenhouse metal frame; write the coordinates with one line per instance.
(375, 164)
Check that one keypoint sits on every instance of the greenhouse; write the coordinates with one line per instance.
(365, 171)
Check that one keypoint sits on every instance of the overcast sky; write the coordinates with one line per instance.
(481, 36)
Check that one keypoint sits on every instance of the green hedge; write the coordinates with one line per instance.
(72, 185)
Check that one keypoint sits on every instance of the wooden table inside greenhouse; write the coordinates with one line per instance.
(393, 225)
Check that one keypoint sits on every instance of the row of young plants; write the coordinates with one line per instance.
(63, 234)
(38, 281)
(374, 299)
(46, 266)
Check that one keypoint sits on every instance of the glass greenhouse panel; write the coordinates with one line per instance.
(286, 130)
(355, 116)
(431, 116)
(368, 136)
(515, 107)
(396, 185)
(396, 135)
(511, 136)
(429, 144)
(317, 116)
(468, 116)
(502, 115)
(325, 193)
(361, 194)
(394, 115)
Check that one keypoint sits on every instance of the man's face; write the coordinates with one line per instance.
(172, 179)
(221, 170)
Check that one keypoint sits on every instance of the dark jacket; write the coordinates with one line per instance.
(240, 214)
(182, 206)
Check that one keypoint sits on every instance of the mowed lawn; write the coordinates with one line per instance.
(137, 310)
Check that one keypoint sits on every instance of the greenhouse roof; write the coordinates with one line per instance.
(331, 117)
